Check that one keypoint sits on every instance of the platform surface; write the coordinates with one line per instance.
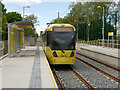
(28, 69)
(108, 51)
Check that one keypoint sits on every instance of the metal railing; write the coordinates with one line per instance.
(103, 43)
(1, 48)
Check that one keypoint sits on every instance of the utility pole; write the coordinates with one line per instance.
(58, 16)
(103, 26)
(88, 28)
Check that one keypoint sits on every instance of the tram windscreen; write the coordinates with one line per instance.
(62, 38)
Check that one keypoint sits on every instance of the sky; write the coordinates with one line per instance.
(45, 10)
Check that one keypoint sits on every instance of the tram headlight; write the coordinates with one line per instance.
(55, 54)
(72, 54)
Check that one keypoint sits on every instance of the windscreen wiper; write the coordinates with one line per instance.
(62, 51)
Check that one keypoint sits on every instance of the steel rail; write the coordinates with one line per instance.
(80, 77)
(107, 74)
(58, 79)
(99, 62)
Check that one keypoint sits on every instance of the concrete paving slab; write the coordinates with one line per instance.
(105, 50)
(28, 69)
(16, 71)
(0, 77)
(108, 55)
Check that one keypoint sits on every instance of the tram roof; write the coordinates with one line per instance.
(58, 25)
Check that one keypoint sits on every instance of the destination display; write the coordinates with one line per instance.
(65, 29)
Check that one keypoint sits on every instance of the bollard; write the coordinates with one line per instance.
(108, 41)
(99, 42)
(83, 43)
(113, 43)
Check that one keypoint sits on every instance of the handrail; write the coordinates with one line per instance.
(99, 42)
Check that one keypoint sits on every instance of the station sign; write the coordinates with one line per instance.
(110, 33)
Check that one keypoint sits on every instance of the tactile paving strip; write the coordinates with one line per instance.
(35, 81)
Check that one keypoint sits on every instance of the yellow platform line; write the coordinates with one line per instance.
(50, 71)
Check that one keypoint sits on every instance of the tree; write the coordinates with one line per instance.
(41, 32)
(28, 31)
(13, 17)
(3, 30)
(61, 20)
(83, 13)
(33, 18)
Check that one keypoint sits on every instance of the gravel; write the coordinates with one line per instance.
(101, 61)
(96, 78)
(69, 79)
(100, 66)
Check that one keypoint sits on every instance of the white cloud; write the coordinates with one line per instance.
(93, 0)
(36, 1)
(40, 28)
(29, 13)
(22, 2)
(31, 1)
(28, 2)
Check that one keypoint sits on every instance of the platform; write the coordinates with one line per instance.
(109, 55)
(28, 69)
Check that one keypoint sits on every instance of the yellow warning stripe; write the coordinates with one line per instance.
(50, 70)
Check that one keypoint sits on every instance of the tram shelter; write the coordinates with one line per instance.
(16, 36)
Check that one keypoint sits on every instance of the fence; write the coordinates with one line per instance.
(1, 48)
(103, 43)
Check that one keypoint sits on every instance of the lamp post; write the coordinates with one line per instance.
(102, 27)
(88, 27)
(24, 10)
(23, 20)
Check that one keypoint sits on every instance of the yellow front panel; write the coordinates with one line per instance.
(63, 58)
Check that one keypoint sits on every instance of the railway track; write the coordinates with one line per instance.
(58, 79)
(105, 73)
(116, 69)
(81, 78)
(60, 83)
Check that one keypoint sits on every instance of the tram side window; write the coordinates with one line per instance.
(49, 39)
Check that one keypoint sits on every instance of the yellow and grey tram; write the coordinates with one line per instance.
(60, 48)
